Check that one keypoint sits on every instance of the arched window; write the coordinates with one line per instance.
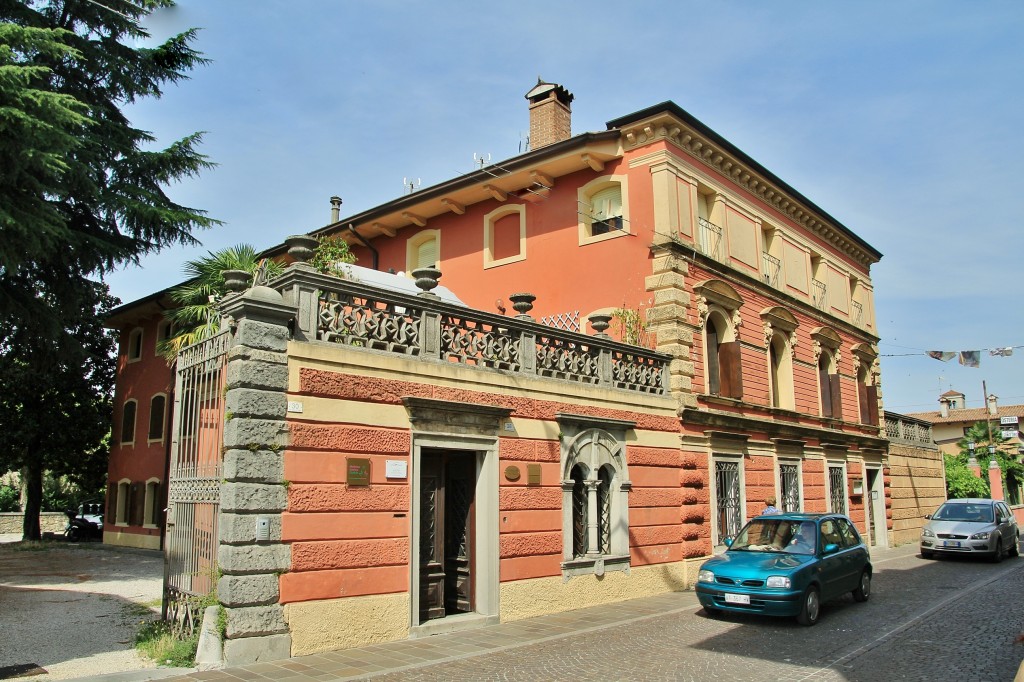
(828, 386)
(505, 235)
(867, 394)
(723, 363)
(157, 412)
(151, 512)
(595, 491)
(423, 251)
(128, 422)
(135, 344)
(603, 209)
(780, 338)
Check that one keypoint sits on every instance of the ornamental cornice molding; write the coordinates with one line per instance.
(668, 128)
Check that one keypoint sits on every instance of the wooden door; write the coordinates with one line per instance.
(447, 487)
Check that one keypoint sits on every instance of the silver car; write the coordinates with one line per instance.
(972, 527)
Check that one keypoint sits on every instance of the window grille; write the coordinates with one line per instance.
(604, 508)
(727, 488)
(837, 489)
(579, 513)
(789, 477)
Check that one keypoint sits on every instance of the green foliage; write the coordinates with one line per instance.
(331, 255)
(961, 481)
(157, 641)
(10, 499)
(196, 316)
(631, 325)
(82, 192)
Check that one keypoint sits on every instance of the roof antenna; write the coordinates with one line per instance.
(480, 160)
(411, 185)
(524, 142)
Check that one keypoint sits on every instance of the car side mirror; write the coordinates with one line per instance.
(728, 542)
(927, 516)
(831, 548)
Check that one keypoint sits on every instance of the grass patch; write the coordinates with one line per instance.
(157, 642)
(30, 545)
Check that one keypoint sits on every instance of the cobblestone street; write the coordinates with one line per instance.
(927, 620)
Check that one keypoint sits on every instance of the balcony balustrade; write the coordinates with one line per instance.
(710, 239)
(771, 269)
(819, 293)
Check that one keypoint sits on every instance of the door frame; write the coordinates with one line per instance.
(877, 505)
(486, 557)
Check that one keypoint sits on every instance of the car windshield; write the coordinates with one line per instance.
(776, 535)
(979, 513)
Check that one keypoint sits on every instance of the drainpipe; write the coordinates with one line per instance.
(376, 256)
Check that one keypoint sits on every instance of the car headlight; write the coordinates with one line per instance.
(983, 535)
(778, 581)
(705, 576)
(927, 533)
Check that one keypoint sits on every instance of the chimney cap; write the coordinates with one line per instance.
(541, 91)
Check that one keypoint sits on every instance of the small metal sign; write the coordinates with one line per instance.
(1008, 420)
(533, 474)
(512, 473)
(358, 471)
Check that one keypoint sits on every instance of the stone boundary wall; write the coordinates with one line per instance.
(49, 522)
(918, 487)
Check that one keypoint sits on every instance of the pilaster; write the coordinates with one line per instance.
(666, 319)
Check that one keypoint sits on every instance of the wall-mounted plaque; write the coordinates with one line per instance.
(533, 474)
(357, 471)
(512, 473)
(396, 468)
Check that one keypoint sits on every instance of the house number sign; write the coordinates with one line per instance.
(358, 471)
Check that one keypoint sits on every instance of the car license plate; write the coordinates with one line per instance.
(950, 543)
(736, 599)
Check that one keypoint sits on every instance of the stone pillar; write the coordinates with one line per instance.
(995, 480)
(253, 495)
(666, 319)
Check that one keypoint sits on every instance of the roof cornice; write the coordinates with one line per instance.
(670, 123)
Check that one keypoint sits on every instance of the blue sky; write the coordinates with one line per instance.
(901, 119)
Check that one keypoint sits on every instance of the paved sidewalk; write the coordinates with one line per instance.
(410, 654)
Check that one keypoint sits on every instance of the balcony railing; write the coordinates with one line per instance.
(772, 266)
(857, 313)
(360, 315)
(902, 430)
(710, 239)
(819, 292)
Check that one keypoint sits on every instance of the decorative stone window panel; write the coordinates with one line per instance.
(157, 418)
(128, 413)
(718, 306)
(505, 235)
(603, 209)
(827, 357)
(134, 349)
(423, 250)
(595, 495)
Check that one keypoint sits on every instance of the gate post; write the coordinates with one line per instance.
(251, 556)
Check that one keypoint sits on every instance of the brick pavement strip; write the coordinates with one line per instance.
(926, 620)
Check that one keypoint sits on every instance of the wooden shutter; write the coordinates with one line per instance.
(713, 362)
(872, 392)
(837, 398)
(111, 503)
(731, 369)
(137, 504)
(826, 390)
(862, 400)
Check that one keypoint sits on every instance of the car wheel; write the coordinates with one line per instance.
(863, 590)
(1015, 548)
(74, 535)
(927, 555)
(810, 609)
(998, 556)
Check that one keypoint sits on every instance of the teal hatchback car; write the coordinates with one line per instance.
(787, 565)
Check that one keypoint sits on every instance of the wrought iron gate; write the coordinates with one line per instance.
(837, 489)
(193, 498)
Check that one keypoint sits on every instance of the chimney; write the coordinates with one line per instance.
(335, 209)
(993, 405)
(550, 114)
(944, 406)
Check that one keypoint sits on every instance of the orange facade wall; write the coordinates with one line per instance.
(338, 532)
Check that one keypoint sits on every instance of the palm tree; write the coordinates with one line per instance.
(196, 315)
